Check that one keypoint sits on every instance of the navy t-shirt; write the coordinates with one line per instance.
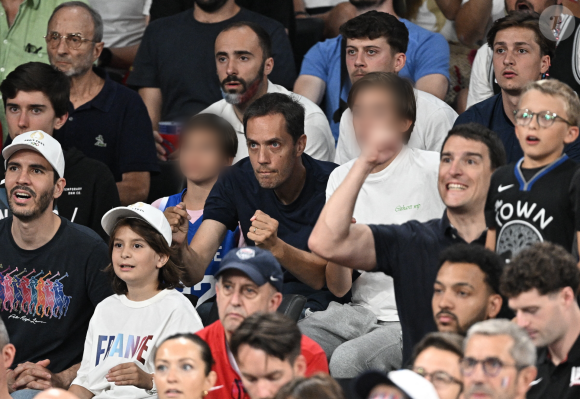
(491, 114)
(177, 56)
(114, 128)
(237, 196)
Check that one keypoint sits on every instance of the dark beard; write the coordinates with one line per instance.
(210, 5)
(42, 204)
(249, 90)
(366, 4)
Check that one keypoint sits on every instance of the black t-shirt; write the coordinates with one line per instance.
(558, 382)
(177, 56)
(237, 196)
(542, 207)
(49, 294)
(409, 253)
(114, 128)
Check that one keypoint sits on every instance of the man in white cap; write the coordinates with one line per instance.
(399, 384)
(50, 269)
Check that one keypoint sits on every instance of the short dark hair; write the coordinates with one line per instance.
(544, 266)
(98, 27)
(319, 386)
(263, 36)
(400, 89)
(488, 262)
(277, 103)
(375, 24)
(527, 20)
(272, 333)
(477, 132)
(170, 275)
(38, 76)
(206, 356)
(445, 341)
(217, 125)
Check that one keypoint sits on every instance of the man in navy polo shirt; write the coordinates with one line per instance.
(107, 121)
(409, 252)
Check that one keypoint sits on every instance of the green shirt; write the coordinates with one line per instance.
(24, 41)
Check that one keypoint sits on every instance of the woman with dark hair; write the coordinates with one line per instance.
(183, 365)
(126, 327)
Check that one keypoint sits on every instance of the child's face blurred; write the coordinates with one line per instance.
(134, 261)
(201, 157)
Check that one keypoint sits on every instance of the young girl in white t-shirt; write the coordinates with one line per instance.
(126, 327)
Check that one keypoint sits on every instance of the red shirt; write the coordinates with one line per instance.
(228, 378)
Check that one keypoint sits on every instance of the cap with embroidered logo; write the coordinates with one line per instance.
(40, 142)
(258, 264)
(139, 210)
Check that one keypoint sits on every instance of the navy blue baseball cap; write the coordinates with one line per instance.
(258, 264)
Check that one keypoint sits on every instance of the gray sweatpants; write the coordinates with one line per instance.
(354, 340)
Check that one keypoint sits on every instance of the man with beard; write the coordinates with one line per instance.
(107, 121)
(175, 68)
(275, 194)
(466, 289)
(39, 245)
(498, 361)
(541, 284)
(243, 54)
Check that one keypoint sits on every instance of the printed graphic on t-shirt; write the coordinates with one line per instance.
(122, 345)
(33, 294)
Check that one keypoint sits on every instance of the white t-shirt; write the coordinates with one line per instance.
(123, 331)
(319, 139)
(430, 17)
(405, 190)
(322, 3)
(434, 120)
(124, 20)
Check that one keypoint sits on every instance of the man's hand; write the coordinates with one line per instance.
(264, 232)
(178, 219)
(35, 376)
(381, 146)
(130, 374)
(161, 153)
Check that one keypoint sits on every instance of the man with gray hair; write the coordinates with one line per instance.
(7, 353)
(499, 361)
(107, 121)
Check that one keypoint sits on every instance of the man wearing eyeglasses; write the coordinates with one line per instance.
(537, 198)
(499, 361)
(107, 121)
(521, 55)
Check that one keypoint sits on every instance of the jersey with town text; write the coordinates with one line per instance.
(527, 206)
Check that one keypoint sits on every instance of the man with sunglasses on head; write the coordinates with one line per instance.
(107, 121)
(498, 361)
(537, 198)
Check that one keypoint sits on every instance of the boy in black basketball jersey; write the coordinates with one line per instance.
(538, 197)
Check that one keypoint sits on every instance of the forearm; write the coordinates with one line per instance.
(472, 20)
(80, 392)
(449, 8)
(153, 101)
(66, 377)
(306, 266)
(194, 266)
(435, 84)
(134, 190)
(338, 279)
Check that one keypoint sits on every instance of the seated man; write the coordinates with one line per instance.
(323, 74)
(388, 38)
(436, 357)
(466, 289)
(404, 252)
(276, 195)
(36, 98)
(243, 54)
(366, 333)
(107, 121)
(498, 361)
(52, 277)
(521, 54)
(541, 284)
(267, 348)
(249, 281)
(398, 384)
(177, 77)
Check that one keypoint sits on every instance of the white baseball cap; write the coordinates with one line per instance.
(41, 142)
(415, 386)
(139, 210)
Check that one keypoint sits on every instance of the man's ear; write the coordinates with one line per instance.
(494, 306)
(525, 378)
(8, 353)
(545, 64)
(275, 301)
(268, 66)
(400, 61)
(300, 366)
(59, 187)
(567, 296)
(300, 145)
(98, 50)
(59, 121)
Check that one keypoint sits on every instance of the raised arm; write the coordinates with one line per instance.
(153, 101)
(338, 279)
(471, 21)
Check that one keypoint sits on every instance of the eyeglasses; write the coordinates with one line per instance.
(523, 117)
(492, 366)
(73, 40)
(438, 378)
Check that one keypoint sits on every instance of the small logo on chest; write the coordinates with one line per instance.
(100, 141)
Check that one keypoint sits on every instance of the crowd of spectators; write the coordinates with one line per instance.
(290, 199)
